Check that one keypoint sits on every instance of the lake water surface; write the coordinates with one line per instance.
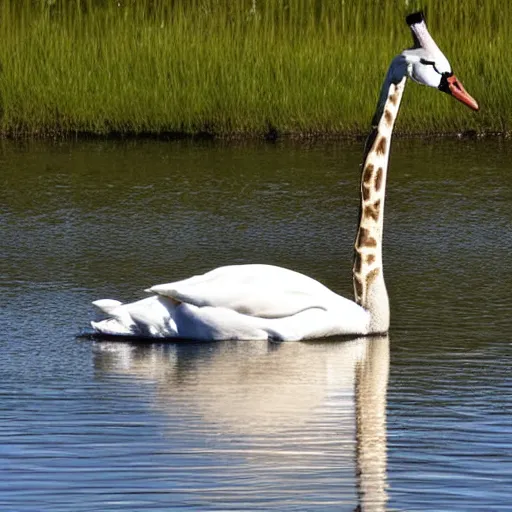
(417, 421)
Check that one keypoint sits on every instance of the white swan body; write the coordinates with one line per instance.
(254, 302)
(237, 302)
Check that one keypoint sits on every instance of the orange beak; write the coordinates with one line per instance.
(456, 89)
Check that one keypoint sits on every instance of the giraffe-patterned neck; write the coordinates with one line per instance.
(369, 287)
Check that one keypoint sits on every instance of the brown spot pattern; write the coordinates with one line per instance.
(378, 178)
(394, 97)
(365, 240)
(388, 116)
(372, 210)
(370, 258)
(371, 276)
(381, 146)
(366, 193)
(368, 173)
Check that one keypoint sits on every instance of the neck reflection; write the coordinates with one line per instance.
(317, 405)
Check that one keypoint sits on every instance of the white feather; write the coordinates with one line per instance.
(239, 302)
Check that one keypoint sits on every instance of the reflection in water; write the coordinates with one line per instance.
(192, 433)
(306, 407)
(371, 381)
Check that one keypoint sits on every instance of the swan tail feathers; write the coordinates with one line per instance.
(111, 326)
(107, 306)
(118, 321)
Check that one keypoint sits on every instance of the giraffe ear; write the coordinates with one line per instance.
(420, 33)
(414, 19)
(424, 44)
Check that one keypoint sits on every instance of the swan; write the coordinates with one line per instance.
(266, 302)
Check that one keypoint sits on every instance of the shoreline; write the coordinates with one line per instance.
(273, 136)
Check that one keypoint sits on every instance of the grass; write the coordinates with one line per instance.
(300, 67)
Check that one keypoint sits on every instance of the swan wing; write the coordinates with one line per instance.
(262, 291)
(237, 302)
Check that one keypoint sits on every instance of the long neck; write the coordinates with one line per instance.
(369, 287)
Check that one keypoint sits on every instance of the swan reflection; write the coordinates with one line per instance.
(312, 408)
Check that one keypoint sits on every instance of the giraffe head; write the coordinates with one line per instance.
(426, 64)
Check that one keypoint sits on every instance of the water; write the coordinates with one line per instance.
(417, 422)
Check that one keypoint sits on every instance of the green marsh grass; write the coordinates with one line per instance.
(300, 67)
